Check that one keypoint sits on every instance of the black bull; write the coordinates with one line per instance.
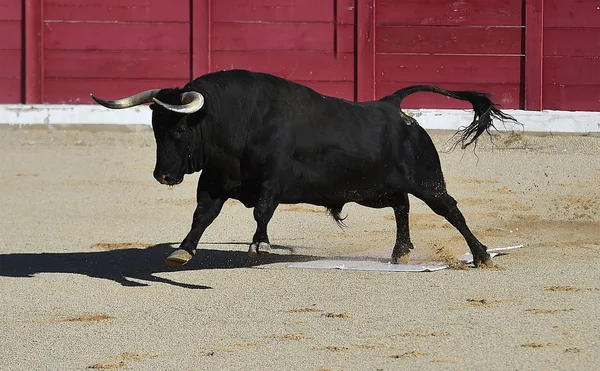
(266, 141)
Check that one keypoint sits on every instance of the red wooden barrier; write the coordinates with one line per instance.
(534, 42)
(365, 50)
(34, 56)
(471, 44)
(571, 55)
(201, 37)
(113, 48)
(533, 54)
(11, 41)
(311, 42)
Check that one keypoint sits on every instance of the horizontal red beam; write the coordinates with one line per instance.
(449, 12)
(280, 11)
(448, 68)
(11, 10)
(117, 36)
(283, 11)
(455, 40)
(571, 13)
(269, 36)
(572, 97)
(572, 71)
(117, 10)
(579, 42)
(116, 65)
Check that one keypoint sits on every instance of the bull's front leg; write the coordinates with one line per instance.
(263, 212)
(207, 210)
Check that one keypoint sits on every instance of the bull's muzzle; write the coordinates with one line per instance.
(167, 179)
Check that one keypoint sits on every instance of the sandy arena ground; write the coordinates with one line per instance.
(85, 228)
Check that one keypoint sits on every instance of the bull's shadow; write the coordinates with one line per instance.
(122, 265)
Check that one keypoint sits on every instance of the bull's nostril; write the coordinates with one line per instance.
(162, 179)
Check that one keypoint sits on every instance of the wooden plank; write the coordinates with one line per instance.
(77, 91)
(272, 36)
(572, 97)
(11, 62)
(534, 41)
(448, 68)
(577, 42)
(117, 36)
(507, 95)
(201, 37)
(345, 11)
(346, 38)
(365, 50)
(34, 51)
(116, 65)
(572, 71)
(11, 35)
(297, 66)
(117, 10)
(572, 13)
(272, 11)
(11, 10)
(449, 12)
(449, 40)
(11, 91)
(339, 89)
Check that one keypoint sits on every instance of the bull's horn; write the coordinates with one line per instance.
(134, 100)
(194, 100)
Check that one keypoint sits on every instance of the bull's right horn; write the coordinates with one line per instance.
(192, 102)
(135, 100)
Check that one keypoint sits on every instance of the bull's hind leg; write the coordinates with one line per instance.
(403, 244)
(443, 204)
(431, 188)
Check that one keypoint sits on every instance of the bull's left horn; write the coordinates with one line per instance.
(194, 100)
(134, 100)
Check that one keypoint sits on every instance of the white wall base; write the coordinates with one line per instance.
(59, 115)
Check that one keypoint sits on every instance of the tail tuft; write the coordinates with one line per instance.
(483, 122)
(335, 212)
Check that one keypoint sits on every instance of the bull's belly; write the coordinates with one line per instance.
(363, 191)
(361, 185)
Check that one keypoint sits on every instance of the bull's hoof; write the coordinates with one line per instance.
(178, 258)
(260, 249)
(485, 263)
(403, 259)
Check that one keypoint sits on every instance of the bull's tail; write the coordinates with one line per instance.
(485, 110)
